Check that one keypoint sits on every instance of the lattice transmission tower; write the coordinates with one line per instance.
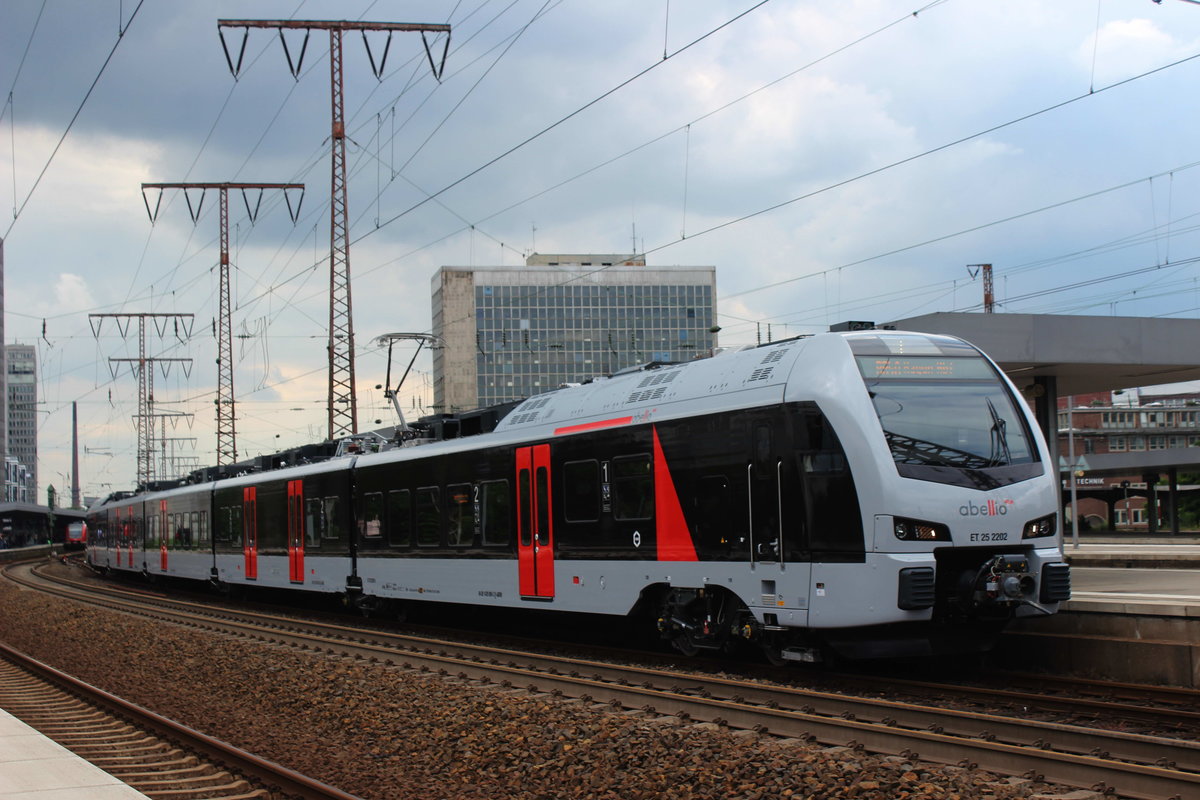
(343, 404)
(225, 402)
(143, 367)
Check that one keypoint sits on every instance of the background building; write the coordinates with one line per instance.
(21, 376)
(512, 333)
(17, 488)
(3, 370)
(1140, 434)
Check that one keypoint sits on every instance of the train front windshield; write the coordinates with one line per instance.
(945, 413)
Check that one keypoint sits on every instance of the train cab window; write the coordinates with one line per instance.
(834, 523)
(333, 519)
(429, 517)
(399, 518)
(496, 509)
(581, 491)
(632, 487)
(460, 515)
(370, 524)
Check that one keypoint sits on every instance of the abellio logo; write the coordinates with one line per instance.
(993, 508)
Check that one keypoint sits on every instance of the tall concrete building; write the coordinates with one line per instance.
(21, 376)
(3, 369)
(510, 333)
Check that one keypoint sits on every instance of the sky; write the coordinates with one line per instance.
(833, 161)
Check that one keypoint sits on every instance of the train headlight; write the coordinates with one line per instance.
(912, 530)
(1039, 528)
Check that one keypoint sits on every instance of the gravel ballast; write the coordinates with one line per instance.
(389, 733)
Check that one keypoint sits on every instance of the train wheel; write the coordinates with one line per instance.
(699, 619)
(773, 653)
(684, 644)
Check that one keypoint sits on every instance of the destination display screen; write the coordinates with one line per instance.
(932, 368)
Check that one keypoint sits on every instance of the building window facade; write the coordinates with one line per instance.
(513, 333)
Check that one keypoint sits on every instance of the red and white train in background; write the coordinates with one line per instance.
(874, 492)
(76, 536)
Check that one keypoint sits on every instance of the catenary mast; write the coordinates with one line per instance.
(342, 402)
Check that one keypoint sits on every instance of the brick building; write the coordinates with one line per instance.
(1126, 423)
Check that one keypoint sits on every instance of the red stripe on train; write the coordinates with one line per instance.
(591, 426)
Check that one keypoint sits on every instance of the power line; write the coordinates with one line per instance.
(75, 116)
(915, 157)
(573, 114)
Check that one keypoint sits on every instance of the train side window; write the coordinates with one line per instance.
(314, 521)
(581, 491)
(371, 523)
(714, 529)
(524, 507)
(235, 524)
(193, 530)
(399, 518)
(152, 538)
(541, 484)
(764, 465)
(202, 530)
(429, 517)
(333, 520)
(633, 487)
(460, 515)
(224, 525)
(495, 505)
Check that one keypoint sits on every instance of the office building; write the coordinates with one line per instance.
(17, 488)
(21, 376)
(3, 370)
(510, 333)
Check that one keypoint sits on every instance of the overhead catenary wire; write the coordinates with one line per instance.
(914, 157)
(571, 115)
(459, 231)
(120, 37)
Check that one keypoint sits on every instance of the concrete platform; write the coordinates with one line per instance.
(1139, 624)
(1135, 552)
(33, 767)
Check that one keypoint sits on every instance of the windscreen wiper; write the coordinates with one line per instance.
(999, 436)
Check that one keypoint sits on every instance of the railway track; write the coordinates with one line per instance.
(1134, 765)
(158, 757)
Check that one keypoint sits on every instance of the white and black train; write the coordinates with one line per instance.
(874, 492)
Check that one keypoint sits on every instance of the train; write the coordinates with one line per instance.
(76, 536)
(857, 494)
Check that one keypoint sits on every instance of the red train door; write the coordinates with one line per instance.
(250, 530)
(535, 529)
(295, 528)
(162, 534)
